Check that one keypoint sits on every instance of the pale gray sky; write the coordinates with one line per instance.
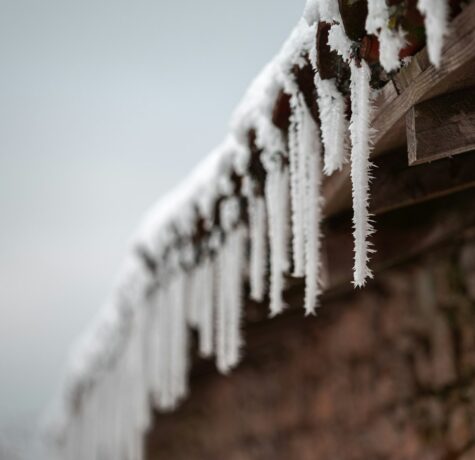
(104, 105)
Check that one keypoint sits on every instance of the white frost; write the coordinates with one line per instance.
(334, 126)
(230, 265)
(259, 247)
(277, 200)
(390, 41)
(311, 152)
(436, 15)
(360, 168)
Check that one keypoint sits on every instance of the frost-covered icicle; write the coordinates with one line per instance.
(229, 280)
(121, 409)
(201, 302)
(229, 299)
(277, 200)
(297, 185)
(236, 269)
(221, 310)
(360, 168)
(312, 151)
(107, 394)
(258, 240)
(206, 313)
(390, 41)
(141, 390)
(171, 343)
(436, 15)
(153, 347)
(179, 339)
(193, 295)
(101, 417)
(87, 445)
(334, 127)
(134, 381)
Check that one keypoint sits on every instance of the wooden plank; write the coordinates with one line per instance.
(441, 127)
(397, 185)
(415, 83)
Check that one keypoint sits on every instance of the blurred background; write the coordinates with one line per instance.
(104, 106)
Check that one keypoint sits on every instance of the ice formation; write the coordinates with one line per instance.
(360, 168)
(390, 41)
(136, 354)
(436, 15)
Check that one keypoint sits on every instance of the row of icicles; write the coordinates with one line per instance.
(152, 368)
(282, 234)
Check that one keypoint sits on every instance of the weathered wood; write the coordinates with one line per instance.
(441, 127)
(396, 185)
(401, 234)
(415, 83)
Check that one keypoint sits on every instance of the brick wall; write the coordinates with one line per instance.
(385, 373)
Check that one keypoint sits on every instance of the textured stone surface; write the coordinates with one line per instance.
(387, 372)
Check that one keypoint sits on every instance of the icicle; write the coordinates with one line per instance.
(135, 407)
(297, 174)
(166, 304)
(139, 370)
(436, 14)
(283, 213)
(236, 263)
(390, 41)
(332, 107)
(360, 168)
(179, 346)
(154, 346)
(221, 310)
(193, 295)
(229, 301)
(311, 150)
(258, 253)
(206, 309)
(276, 190)
(200, 299)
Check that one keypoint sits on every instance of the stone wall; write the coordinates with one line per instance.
(384, 373)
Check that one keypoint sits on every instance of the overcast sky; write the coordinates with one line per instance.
(104, 105)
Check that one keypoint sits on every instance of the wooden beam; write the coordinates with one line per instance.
(397, 185)
(441, 127)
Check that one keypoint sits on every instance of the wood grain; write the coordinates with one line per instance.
(441, 127)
